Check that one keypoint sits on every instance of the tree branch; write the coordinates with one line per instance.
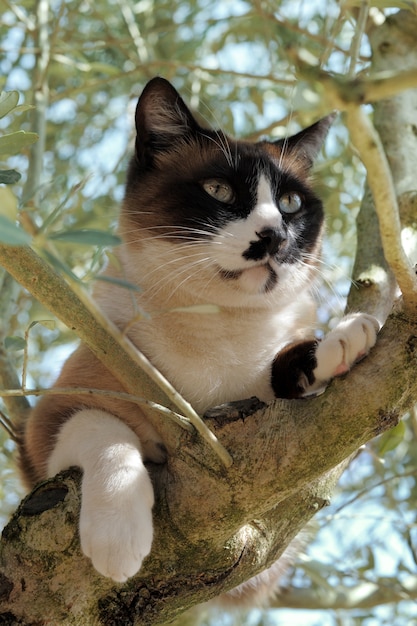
(389, 156)
(40, 99)
(369, 146)
(364, 595)
(280, 480)
(374, 287)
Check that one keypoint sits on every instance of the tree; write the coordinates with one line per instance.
(255, 506)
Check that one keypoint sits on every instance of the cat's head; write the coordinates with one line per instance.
(223, 221)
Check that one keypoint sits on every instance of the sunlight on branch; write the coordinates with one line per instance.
(367, 142)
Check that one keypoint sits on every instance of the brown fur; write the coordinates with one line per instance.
(82, 369)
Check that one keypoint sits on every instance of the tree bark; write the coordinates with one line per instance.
(215, 526)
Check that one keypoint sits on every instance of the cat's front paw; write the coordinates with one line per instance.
(116, 528)
(348, 343)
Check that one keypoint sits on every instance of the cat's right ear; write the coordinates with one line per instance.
(162, 118)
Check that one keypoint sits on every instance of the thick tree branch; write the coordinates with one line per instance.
(245, 515)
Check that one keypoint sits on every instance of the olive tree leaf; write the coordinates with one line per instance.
(15, 343)
(391, 439)
(8, 102)
(12, 234)
(12, 143)
(9, 177)
(86, 236)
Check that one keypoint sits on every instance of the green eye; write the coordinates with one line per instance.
(290, 202)
(219, 190)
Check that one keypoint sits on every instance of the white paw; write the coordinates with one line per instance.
(117, 494)
(116, 527)
(344, 346)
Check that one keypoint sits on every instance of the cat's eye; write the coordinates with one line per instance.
(219, 189)
(290, 202)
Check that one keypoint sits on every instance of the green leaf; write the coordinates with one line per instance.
(8, 204)
(87, 236)
(11, 234)
(12, 143)
(22, 108)
(9, 177)
(8, 102)
(198, 308)
(391, 439)
(119, 282)
(59, 265)
(14, 342)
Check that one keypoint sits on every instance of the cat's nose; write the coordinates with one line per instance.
(272, 239)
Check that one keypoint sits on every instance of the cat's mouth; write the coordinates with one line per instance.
(257, 279)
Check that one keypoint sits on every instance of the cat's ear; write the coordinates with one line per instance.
(162, 117)
(306, 144)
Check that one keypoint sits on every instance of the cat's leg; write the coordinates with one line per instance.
(304, 368)
(117, 496)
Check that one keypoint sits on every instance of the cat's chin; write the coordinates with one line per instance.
(258, 280)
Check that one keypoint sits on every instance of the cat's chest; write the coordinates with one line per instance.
(218, 357)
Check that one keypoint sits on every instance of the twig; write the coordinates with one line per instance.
(357, 38)
(127, 397)
(382, 85)
(340, 92)
(7, 425)
(40, 99)
(134, 32)
(174, 66)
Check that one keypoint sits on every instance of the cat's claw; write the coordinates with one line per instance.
(348, 343)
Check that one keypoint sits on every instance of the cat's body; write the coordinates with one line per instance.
(206, 221)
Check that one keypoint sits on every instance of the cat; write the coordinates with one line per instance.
(206, 220)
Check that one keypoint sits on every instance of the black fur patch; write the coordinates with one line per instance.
(292, 367)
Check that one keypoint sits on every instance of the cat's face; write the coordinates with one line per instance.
(231, 222)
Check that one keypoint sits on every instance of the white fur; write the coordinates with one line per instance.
(346, 344)
(240, 233)
(117, 496)
(224, 356)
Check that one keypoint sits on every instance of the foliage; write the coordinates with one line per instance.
(77, 68)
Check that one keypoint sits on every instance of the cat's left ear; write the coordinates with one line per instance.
(306, 144)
